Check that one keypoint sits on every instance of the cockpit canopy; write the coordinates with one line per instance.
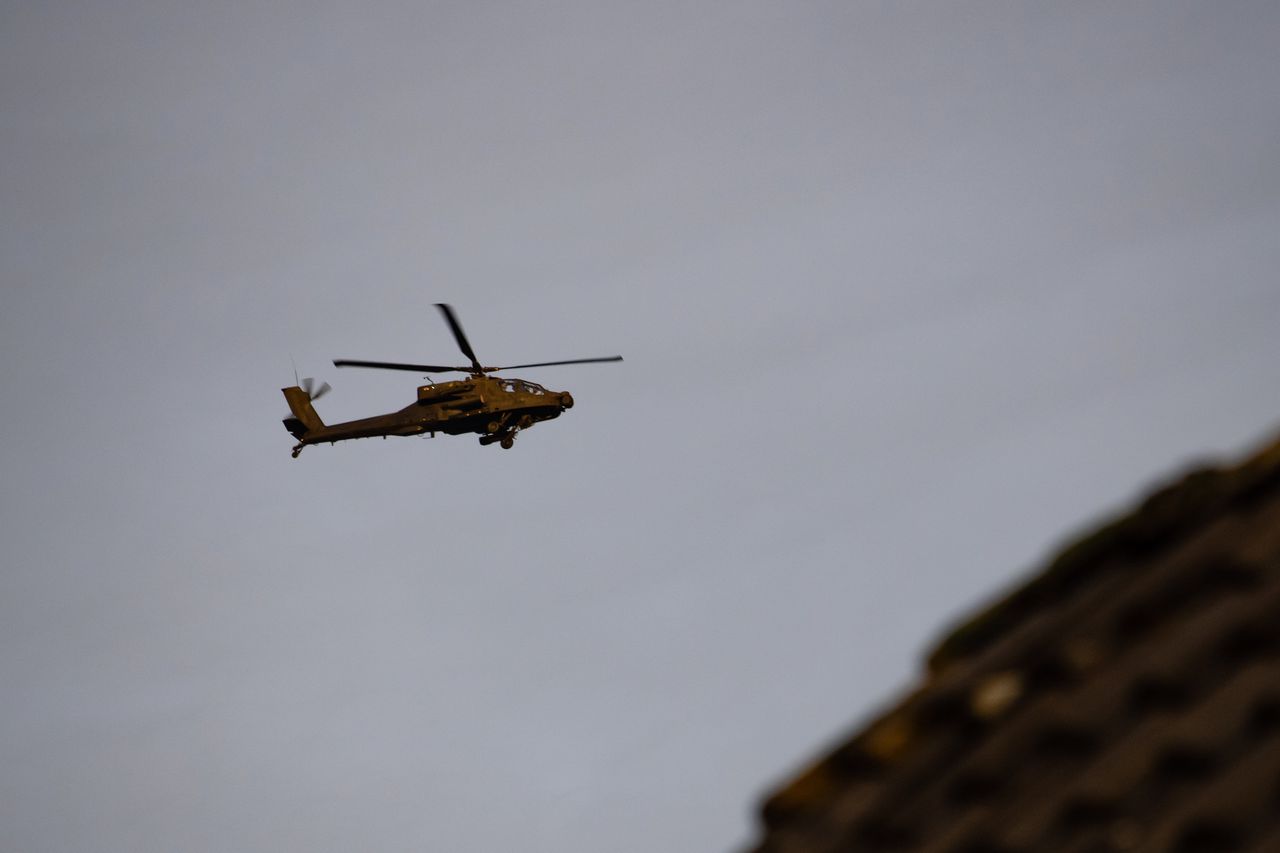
(523, 386)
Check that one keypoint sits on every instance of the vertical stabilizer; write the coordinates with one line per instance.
(304, 417)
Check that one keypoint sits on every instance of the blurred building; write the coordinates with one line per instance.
(1126, 698)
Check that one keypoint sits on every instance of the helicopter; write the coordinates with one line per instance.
(495, 408)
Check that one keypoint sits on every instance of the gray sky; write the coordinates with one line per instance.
(907, 293)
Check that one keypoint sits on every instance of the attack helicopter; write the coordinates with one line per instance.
(495, 408)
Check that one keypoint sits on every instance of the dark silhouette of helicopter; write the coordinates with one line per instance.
(495, 408)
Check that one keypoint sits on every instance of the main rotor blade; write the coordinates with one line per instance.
(553, 363)
(392, 365)
(459, 335)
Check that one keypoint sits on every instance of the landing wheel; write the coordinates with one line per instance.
(508, 441)
(296, 451)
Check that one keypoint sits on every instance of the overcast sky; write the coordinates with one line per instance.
(907, 293)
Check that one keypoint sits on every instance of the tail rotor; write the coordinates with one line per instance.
(314, 392)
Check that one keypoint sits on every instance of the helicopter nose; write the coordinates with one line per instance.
(566, 400)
